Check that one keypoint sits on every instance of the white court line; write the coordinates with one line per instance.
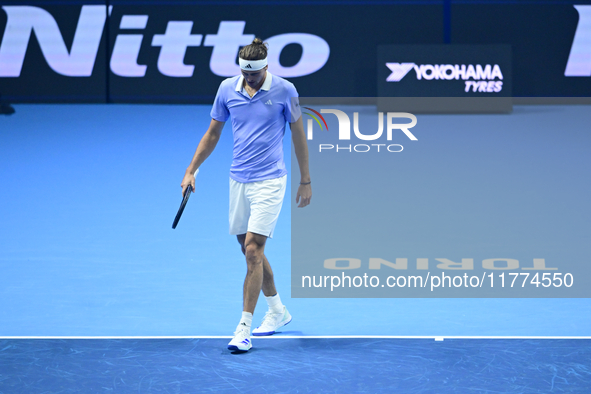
(435, 337)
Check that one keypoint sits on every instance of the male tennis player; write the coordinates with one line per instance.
(259, 104)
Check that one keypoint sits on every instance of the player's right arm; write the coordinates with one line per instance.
(204, 149)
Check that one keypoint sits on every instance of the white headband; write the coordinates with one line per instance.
(252, 65)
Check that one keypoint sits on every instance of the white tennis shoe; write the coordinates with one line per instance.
(272, 322)
(241, 340)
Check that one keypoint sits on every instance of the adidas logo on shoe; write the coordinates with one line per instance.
(241, 341)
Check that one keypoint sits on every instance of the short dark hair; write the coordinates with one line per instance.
(257, 50)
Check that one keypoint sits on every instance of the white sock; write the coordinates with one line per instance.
(274, 302)
(246, 319)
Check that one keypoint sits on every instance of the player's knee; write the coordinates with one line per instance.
(254, 254)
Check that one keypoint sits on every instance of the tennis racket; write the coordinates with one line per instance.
(186, 196)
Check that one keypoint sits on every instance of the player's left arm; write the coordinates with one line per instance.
(300, 145)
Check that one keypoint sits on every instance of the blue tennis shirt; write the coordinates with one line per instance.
(258, 125)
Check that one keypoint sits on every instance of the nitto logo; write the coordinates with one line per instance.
(483, 78)
(345, 130)
(80, 60)
(579, 59)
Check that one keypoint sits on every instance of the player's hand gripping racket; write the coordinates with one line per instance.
(186, 196)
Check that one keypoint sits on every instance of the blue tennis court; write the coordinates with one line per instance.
(99, 294)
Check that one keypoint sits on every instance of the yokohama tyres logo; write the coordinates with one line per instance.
(79, 61)
(477, 78)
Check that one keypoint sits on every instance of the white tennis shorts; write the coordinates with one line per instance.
(255, 206)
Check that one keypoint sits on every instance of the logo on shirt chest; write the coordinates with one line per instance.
(268, 102)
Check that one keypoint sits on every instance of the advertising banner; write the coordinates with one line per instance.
(180, 52)
(54, 53)
(550, 41)
(459, 71)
